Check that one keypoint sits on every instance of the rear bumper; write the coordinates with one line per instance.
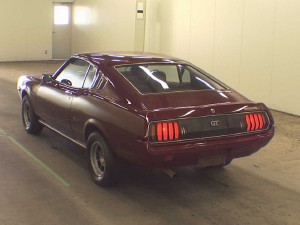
(187, 154)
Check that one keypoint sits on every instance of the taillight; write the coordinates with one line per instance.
(207, 127)
(255, 121)
(164, 131)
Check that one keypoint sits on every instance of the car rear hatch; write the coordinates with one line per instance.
(210, 114)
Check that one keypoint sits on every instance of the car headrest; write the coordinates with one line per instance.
(160, 75)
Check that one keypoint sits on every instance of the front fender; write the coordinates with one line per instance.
(28, 85)
(22, 85)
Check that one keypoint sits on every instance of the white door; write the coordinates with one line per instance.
(61, 32)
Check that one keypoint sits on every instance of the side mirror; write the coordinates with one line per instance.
(47, 78)
(66, 81)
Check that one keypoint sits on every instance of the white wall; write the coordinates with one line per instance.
(26, 27)
(104, 25)
(252, 45)
(25, 30)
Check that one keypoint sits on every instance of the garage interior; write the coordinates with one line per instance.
(251, 45)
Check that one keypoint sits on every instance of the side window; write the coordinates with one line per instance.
(89, 77)
(74, 73)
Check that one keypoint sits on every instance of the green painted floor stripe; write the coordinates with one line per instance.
(37, 160)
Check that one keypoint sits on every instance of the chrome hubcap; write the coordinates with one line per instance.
(97, 159)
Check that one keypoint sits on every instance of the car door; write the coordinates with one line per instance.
(84, 104)
(54, 98)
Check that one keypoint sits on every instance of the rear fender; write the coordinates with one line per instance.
(93, 125)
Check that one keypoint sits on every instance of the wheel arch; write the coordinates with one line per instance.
(95, 126)
(90, 128)
(24, 93)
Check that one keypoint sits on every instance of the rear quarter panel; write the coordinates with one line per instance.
(118, 122)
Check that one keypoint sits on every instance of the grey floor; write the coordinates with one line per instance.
(44, 179)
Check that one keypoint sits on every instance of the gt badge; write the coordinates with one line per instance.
(215, 123)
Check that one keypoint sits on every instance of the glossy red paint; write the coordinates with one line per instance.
(122, 115)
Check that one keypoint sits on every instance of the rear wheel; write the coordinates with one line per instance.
(29, 118)
(103, 165)
(227, 162)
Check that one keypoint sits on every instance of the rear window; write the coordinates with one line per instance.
(158, 78)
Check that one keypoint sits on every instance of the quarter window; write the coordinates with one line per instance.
(186, 77)
(89, 77)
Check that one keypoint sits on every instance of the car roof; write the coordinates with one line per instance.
(122, 58)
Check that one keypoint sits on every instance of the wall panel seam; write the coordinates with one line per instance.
(241, 45)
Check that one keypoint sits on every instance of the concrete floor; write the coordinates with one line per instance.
(44, 179)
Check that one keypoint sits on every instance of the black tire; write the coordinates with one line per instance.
(227, 162)
(103, 164)
(29, 118)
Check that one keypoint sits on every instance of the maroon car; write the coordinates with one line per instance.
(146, 109)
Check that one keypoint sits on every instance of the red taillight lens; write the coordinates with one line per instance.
(171, 131)
(176, 130)
(165, 131)
(261, 121)
(159, 132)
(254, 121)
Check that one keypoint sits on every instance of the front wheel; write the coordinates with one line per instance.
(29, 118)
(103, 164)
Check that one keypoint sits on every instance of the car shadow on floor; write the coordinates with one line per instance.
(232, 194)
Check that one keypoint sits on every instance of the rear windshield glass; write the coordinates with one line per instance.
(157, 78)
